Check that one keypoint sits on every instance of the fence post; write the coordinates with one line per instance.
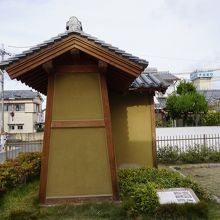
(204, 140)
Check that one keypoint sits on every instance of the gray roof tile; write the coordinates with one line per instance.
(148, 80)
(61, 36)
(20, 94)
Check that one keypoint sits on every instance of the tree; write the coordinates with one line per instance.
(185, 103)
(185, 88)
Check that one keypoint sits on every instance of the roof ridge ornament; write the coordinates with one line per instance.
(73, 24)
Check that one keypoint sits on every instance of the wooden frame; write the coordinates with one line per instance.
(77, 69)
(46, 141)
(78, 124)
(107, 119)
(78, 199)
(153, 130)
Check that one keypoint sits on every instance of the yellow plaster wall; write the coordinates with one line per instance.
(78, 158)
(131, 127)
(78, 163)
(77, 97)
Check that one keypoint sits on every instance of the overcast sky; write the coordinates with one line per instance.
(174, 35)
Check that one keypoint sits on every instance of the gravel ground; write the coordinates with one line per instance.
(207, 174)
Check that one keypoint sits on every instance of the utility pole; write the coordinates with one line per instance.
(2, 53)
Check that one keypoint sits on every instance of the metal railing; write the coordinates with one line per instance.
(184, 142)
(13, 148)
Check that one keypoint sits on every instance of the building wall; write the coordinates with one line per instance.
(202, 83)
(78, 157)
(28, 118)
(131, 127)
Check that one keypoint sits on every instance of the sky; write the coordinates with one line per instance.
(173, 35)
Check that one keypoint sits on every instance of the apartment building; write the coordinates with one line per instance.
(22, 111)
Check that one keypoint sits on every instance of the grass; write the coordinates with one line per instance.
(22, 203)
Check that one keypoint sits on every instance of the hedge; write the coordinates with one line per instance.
(194, 154)
(20, 170)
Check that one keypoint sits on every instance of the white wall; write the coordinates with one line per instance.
(185, 137)
(187, 131)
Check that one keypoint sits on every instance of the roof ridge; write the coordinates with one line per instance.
(82, 34)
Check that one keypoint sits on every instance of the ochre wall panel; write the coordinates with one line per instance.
(78, 156)
(78, 163)
(131, 127)
(77, 96)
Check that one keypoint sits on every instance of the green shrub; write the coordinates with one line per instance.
(211, 118)
(168, 154)
(14, 172)
(145, 199)
(138, 188)
(195, 154)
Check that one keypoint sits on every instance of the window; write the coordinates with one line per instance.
(8, 107)
(37, 108)
(19, 107)
(20, 127)
(11, 127)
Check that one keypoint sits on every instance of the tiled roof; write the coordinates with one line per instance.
(149, 80)
(82, 34)
(168, 77)
(212, 96)
(20, 94)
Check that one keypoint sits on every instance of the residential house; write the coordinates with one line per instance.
(22, 111)
(212, 96)
(161, 97)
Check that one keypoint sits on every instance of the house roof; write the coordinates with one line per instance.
(151, 78)
(148, 80)
(20, 94)
(28, 66)
(81, 34)
(166, 76)
(212, 96)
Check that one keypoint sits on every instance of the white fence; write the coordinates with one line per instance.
(185, 137)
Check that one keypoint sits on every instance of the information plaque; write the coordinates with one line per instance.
(177, 195)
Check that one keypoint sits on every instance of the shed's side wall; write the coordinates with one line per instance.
(78, 158)
(132, 131)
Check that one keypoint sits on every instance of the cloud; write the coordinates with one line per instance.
(172, 35)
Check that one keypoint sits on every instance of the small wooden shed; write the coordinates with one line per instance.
(99, 113)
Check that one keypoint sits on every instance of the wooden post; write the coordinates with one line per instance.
(107, 119)
(46, 141)
(153, 131)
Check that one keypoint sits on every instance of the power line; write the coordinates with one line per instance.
(19, 46)
(181, 58)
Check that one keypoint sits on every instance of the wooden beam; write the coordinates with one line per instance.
(75, 54)
(111, 150)
(78, 199)
(153, 131)
(77, 69)
(46, 140)
(102, 66)
(34, 60)
(78, 124)
(48, 66)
